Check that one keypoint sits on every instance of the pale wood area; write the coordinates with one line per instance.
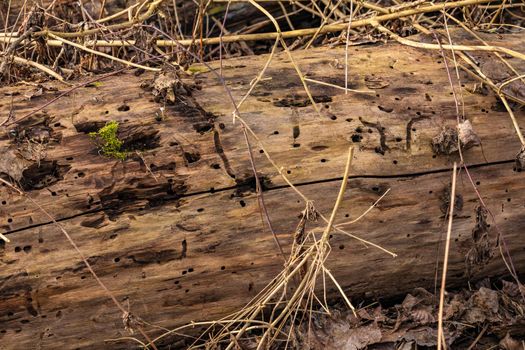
(189, 244)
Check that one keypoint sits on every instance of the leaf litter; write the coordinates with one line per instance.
(412, 324)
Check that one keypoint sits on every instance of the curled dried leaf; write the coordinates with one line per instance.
(446, 142)
(12, 164)
(509, 343)
(467, 137)
(450, 139)
(423, 315)
(169, 86)
(512, 289)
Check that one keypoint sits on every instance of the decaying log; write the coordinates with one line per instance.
(175, 229)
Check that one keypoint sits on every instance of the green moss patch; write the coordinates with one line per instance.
(108, 142)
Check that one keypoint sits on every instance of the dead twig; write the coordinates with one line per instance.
(331, 28)
(41, 67)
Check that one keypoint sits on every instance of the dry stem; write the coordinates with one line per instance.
(445, 259)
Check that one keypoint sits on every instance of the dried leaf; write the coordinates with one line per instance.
(424, 336)
(509, 343)
(446, 142)
(419, 307)
(406, 346)
(358, 338)
(12, 164)
(34, 93)
(339, 332)
(168, 84)
(481, 251)
(512, 289)
(418, 296)
(445, 196)
(486, 298)
(455, 307)
(467, 136)
(423, 315)
(483, 306)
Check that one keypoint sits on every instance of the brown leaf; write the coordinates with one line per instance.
(34, 93)
(169, 85)
(487, 298)
(467, 136)
(424, 336)
(509, 343)
(446, 142)
(455, 307)
(12, 164)
(423, 315)
(359, 338)
(338, 332)
(418, 296)
(409, 302)
(419, 307)
(512, 289)
(483, 305)
(406, 346)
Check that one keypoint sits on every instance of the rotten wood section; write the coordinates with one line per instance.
(187, 242)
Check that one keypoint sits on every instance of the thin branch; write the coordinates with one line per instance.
(422, 45)
(41, 67)
(331, 28)
(102, 54)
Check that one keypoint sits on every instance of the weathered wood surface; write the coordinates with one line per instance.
(188, 139)
(192, 246)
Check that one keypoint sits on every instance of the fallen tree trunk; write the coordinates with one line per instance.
(175, 229)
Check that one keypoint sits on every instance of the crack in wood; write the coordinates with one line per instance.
(274, 188)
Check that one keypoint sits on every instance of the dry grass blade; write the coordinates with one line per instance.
(152, 8)
(503, 248)
(4, 238)
(422, 45)
(445, 261)
(285, 47)
(366, 212)
(347, 42)
(339, 87)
